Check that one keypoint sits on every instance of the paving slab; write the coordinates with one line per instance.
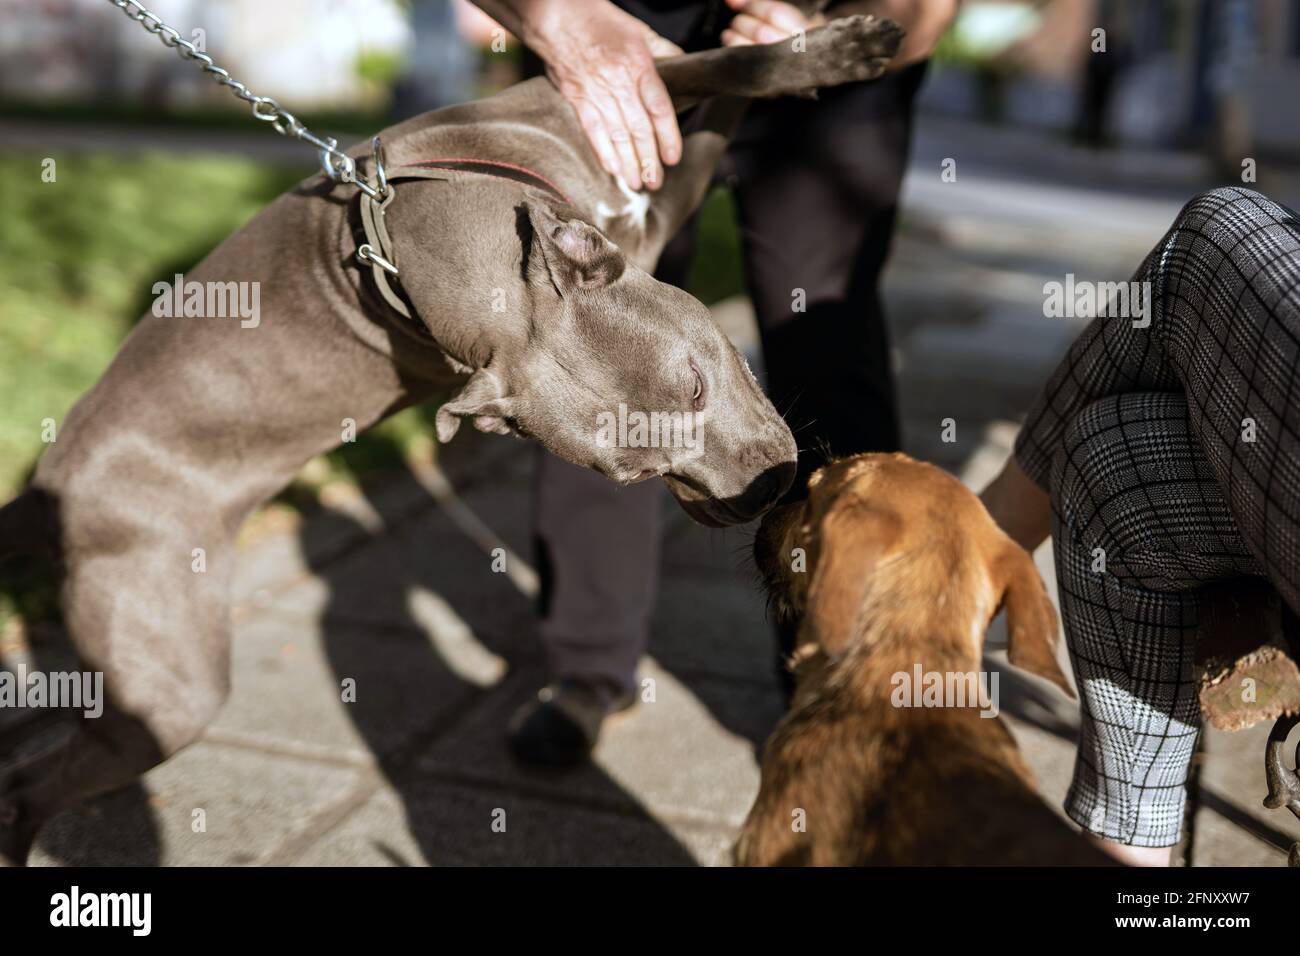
(288, 689)
(251, 802)
(1045, 724)
(713, 625)
(429, 576)
(288, 548)
(980, 204)
(687, 755)
(455, 828)
(1017, 351)
(1232, 826)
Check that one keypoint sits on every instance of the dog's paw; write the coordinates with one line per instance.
(851, 49)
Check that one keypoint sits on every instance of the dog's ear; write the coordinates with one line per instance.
(576, 254)
(1031, 619)
(851, 541)
(483, 399)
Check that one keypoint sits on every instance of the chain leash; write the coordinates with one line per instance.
(337, 165)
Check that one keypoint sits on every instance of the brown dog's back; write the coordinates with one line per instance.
(902, 787)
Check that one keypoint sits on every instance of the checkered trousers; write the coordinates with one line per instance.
(1172, 455)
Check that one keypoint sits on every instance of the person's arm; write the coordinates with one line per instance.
(1020, 507)
(768, 21)
(601, 59)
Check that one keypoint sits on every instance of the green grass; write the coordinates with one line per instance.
(77, 259)
(717, 272)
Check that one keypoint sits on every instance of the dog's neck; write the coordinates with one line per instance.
(464, 330)
(894, 643)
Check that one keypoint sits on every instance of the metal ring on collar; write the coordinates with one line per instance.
(367, 253)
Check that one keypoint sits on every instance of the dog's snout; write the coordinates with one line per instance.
(776, 481)
(767, 489)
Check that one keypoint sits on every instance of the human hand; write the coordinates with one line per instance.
(602, 61)
(766, 21)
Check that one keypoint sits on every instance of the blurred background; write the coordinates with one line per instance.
(1065, 161)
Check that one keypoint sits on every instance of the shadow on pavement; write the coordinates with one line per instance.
(430, 590)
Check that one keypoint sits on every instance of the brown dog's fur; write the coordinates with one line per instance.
(901, 566)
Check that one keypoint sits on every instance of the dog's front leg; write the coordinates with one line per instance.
(845, 50)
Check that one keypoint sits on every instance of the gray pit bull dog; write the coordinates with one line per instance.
(198, 421)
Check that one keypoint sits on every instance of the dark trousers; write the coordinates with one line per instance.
(816, 188)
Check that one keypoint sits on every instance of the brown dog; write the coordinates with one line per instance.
(896, 569)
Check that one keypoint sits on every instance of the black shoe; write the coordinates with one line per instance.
(560, 727)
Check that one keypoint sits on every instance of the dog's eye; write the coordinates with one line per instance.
(697, 393)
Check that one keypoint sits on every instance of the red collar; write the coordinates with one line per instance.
(496, 167)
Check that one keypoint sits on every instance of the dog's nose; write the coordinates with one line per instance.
(779, 480)
(766, 490)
